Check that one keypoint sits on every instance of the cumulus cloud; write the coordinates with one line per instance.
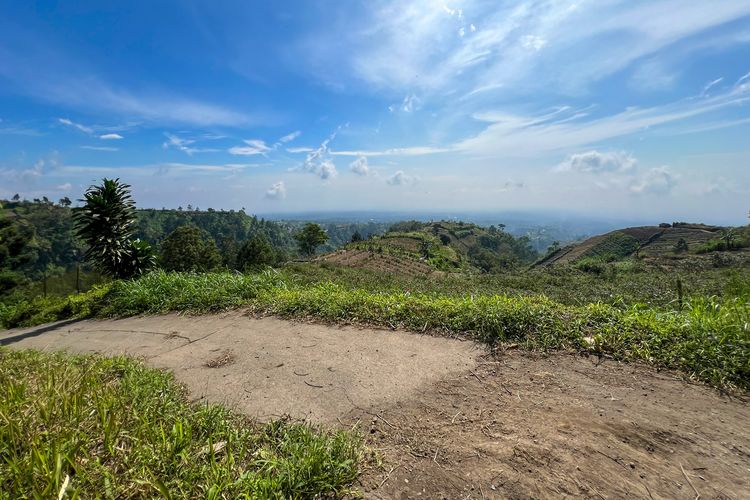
(277, 191)
(596, 162)
(359, 166)
(64, 187)
(400, 178)
(253, 147)
(658, 180)
(109, 137)
(318, 161)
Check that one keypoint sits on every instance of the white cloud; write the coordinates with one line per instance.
(254, 147)
(290, 137)
(711, 84)
(359, 166)
(64, 187)
(411, 151)
(277, 191)
(595, 162)
(653, 75)
(300, 150)
(178, 143)
(533, 42)
(110, 137)
(100, 148)
(401, 179)
(82, 128)
(524, 135)
(413, 44)
(658, 180)
(318, 161)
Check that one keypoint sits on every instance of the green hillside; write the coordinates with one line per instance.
(415, 248)
(678, 240)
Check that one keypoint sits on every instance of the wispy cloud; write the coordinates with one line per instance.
(417, 44)
(82, 128)
(100, 148)
(110, 137)
(185, 145)
(252, 147)
(520, 135)
(710, 85)
(300, 150)
(40, 69)
(290, 137)
(410, 151)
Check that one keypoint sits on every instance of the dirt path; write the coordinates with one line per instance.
(449, 420)
(267, 367)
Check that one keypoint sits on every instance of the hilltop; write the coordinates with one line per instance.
(420, 248)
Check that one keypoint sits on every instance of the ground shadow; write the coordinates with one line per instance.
(36, 331)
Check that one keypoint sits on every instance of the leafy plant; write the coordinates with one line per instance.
(106, 223)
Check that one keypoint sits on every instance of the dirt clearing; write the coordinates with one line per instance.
(268, 367)
(447, 419)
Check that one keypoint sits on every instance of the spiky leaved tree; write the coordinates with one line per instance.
(105, 223)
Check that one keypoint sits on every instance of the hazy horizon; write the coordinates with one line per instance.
(630, 110)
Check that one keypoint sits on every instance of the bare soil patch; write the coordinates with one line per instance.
(448, 419)
(266, 367)
(522, 425)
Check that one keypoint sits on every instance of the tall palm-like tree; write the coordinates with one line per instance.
(106, 223)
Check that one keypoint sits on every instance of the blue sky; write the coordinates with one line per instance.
(632, 108)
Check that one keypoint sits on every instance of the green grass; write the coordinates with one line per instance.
(116, 429)
(708, 337)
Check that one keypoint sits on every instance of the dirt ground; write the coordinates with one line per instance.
(446, 418)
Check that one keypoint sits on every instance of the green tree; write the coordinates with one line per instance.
(729, 237)
(188, 249)
(681, 246)
(65, 202)
(311, 236)
(357, 236)
(256, 252)
(105, 223)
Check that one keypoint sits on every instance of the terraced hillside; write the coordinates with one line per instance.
(646, 241)
(418, 248)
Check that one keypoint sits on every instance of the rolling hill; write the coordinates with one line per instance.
(664, 240)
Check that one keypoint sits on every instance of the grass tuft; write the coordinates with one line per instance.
(110, 427)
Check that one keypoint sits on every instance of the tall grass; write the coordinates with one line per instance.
(709, 339)
(98, 427)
